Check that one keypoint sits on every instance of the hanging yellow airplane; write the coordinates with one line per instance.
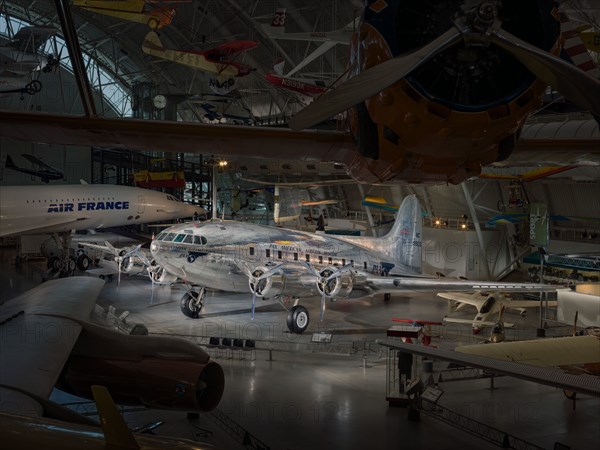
(423, 106)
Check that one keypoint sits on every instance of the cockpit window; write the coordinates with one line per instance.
(173, 199)
(188, 239)
(487, 305)
(179, 238)
(160, 236)
(169, 237)
(199, 240)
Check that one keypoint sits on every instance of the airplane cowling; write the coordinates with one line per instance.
(154, 371)
(290, 282)
(161, 383)
(338, 287)
(159, 275)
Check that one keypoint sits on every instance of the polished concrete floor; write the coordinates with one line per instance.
(321, 396)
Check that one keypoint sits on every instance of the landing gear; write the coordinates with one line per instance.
(54, 264)
(83, 262)
(387, 297)
(297, 319)
(192, 302)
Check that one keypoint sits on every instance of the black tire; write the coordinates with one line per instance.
(188, 306)
(298, 319)
(83, 262)
(54, 264)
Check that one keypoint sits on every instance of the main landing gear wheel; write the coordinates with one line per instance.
(83, 262)
(54, 264)
(191, 305)
(297, 319)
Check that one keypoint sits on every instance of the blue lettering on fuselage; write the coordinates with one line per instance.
(87, 206)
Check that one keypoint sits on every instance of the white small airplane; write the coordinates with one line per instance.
(328, 39)
(21, 60)
(276, 263)
(58, 209)
(488, 305)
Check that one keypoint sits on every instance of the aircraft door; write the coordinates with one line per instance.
(141, 204)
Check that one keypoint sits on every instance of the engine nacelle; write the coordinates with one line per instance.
(159, 275)
(157, 372)
(293, 282)
(338, 286)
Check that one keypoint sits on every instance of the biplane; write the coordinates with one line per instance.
(22, 60)
(433, 95)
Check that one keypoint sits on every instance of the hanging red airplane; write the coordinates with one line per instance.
(304, 86)
(219, 60)
(437, 90)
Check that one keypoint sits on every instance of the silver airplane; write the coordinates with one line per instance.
(276, 263)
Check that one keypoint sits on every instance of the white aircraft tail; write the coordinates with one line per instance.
(278, 67)
(152, 42)
(404, 239)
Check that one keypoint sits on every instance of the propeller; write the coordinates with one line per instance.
(575, 323)
(573, 83)
(255, 281)
(369, 82)
(323, 281)
(120, 258)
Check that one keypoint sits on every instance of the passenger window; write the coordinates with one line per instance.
(343, 262)
(279, 254)
(295, 256)
(251, 249)
(365, 265)
(307, 257)
(268, 253)
(320, 260)
(330, 260)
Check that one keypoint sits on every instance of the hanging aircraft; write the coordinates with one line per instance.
(304, 86)
(155, 13)
(328, 39)
(58, 209)
(218, 60)
(276, 263)
(488, 305)
(434, 94)
(44, 171)
(22, 61)
(70, 351)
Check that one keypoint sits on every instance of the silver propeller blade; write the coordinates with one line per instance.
(370, 82)
(570, 81)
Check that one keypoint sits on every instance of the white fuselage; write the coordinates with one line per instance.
(62, 208)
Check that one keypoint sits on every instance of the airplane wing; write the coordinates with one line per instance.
(479, 322)
(35, 160)
(35, 224)
(39, 329)
(564, 351)
(145, 135)
(442, 284)
(31, 38)
(545, 375)
(462, 297)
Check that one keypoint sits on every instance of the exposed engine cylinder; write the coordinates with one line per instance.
(160, 275)
(338, 286)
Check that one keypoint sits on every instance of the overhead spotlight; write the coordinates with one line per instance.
(445, 223)
(463, 226)
(222, 163)
(437, 222)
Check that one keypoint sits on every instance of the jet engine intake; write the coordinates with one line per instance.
(154, 371)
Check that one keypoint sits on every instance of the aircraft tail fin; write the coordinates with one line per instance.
(404, 239)
(278, 67)
(116, 432)
(9, 163)
(152, 42)
(279, 19)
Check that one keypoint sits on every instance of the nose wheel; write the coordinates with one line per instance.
(192, 302)
(298, 319)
